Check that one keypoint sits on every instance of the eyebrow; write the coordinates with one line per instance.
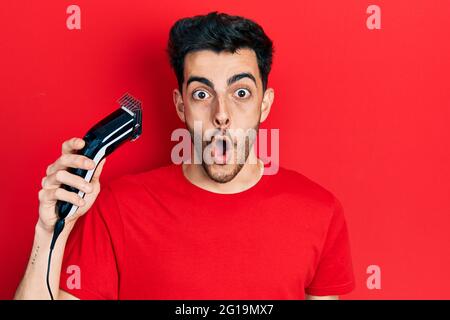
(240, 76)
(230, 80)
(200, 79)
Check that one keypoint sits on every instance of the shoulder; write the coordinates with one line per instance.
(294, 182)
(136, 182)
(306, 190)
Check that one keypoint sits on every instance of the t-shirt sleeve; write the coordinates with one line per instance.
(89, 268)
(334, 273)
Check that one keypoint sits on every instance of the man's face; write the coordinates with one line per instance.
(222, 91)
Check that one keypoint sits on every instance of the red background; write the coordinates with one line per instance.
(363, 112)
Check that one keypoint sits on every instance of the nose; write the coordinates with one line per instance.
(221, 116)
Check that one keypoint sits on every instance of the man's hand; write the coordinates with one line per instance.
(57, 174)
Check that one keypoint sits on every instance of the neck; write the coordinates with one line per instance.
(249, 176)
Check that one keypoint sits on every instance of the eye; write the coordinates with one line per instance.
(242, 93)
(200, 95)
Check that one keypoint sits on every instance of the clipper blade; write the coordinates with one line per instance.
(134, 106)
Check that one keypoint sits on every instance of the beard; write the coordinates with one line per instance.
(238, 154)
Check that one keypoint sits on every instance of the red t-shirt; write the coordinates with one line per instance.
(155, 235)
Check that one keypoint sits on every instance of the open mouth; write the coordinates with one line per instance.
(221, 149)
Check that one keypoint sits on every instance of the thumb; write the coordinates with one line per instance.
(98, 171)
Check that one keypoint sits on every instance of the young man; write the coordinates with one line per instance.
(218, 229)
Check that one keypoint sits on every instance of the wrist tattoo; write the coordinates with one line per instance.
(33, 258)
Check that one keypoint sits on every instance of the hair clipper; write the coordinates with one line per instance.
(101, 140)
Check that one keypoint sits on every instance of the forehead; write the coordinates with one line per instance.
(220, 65)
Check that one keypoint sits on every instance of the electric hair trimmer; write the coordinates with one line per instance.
(101, 140)
(120, 126)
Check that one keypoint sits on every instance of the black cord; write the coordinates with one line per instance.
(48, 274)
(59, 226)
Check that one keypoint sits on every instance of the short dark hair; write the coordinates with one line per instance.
(218, 32)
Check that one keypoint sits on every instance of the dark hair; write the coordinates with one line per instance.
(218, 32)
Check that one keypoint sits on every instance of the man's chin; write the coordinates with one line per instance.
(222, 173)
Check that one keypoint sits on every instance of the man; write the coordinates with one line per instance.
(219, 229)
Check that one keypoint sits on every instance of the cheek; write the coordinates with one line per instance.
(197, 112)
(246, 113)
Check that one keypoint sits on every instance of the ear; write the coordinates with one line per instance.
(267, 101)
(179, 105)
